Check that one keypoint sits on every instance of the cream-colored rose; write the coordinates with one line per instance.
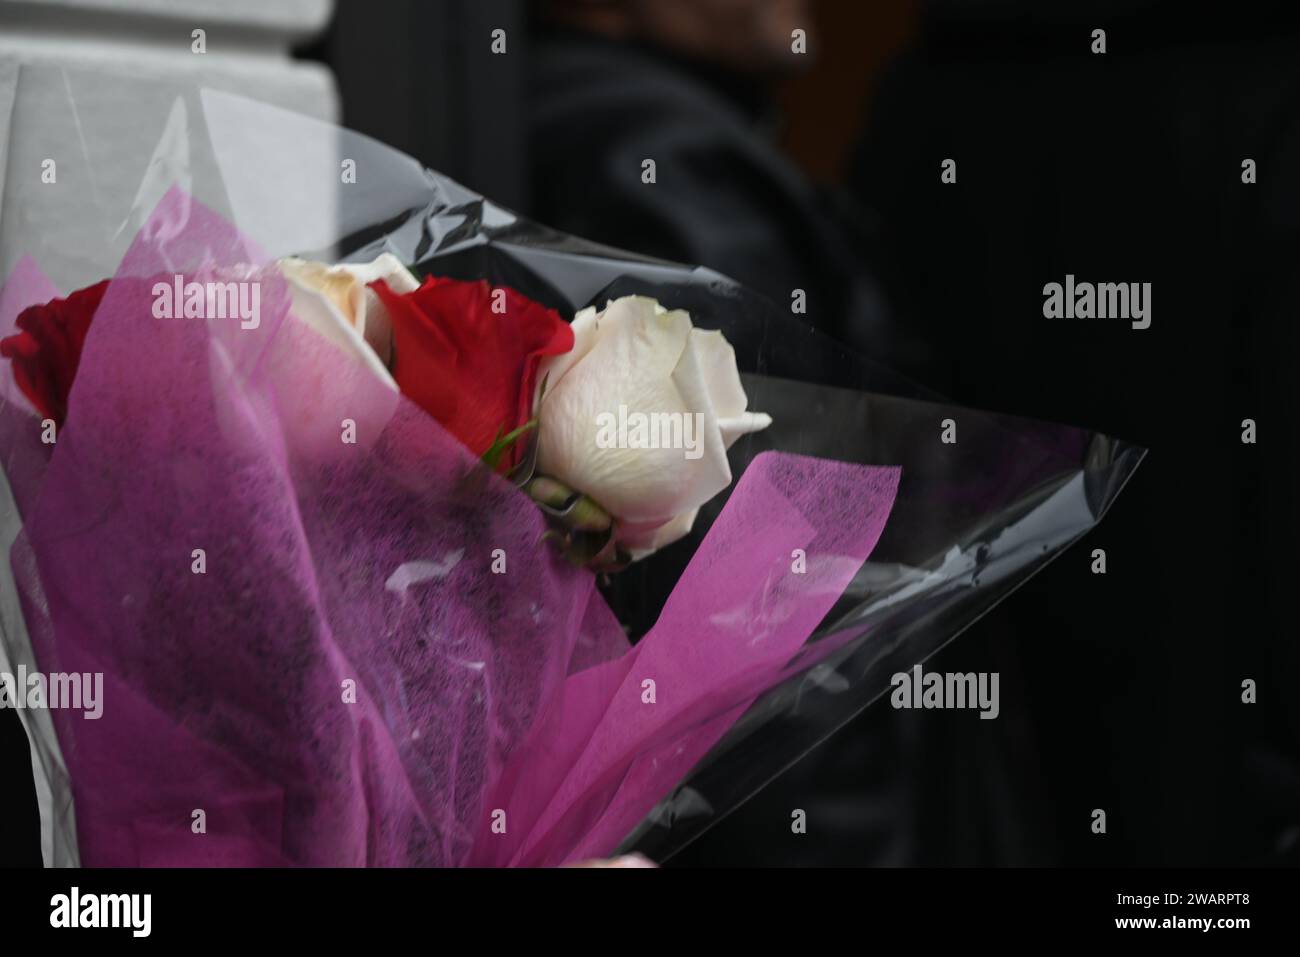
(337, 303)
(639, 416)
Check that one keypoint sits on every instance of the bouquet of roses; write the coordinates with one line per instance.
(403, 531)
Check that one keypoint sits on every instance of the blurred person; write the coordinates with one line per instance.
(689, 84)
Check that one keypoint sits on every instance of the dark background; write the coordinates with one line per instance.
(1120, 691)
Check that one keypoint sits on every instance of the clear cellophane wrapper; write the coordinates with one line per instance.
(355, 678)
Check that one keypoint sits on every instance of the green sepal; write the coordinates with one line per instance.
(492, 457)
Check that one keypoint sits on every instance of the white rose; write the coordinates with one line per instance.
(337, 303)
(640, 375)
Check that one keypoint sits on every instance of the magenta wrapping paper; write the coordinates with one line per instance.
(480, 697)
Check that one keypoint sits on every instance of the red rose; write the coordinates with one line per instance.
(47, 348)
(472, 369)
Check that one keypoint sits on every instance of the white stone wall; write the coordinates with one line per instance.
(93, 84)
(248, 42)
